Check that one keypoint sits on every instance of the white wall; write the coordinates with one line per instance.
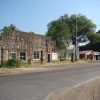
(54, 56)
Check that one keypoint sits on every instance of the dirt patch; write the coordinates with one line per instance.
(87, 91)
(5, 71)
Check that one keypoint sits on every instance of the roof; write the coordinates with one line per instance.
(86, 52)
(89, 52)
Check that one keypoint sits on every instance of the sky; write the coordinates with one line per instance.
(34, 15)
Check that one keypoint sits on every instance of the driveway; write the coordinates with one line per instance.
(38, 85)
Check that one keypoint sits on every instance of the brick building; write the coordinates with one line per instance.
(28, 47)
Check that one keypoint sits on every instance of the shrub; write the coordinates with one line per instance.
(62, 59)
(12, 63)
(0, 65)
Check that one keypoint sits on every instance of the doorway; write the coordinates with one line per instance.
(41, 56)
(49, 57)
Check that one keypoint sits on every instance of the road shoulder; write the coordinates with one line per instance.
(42, 67)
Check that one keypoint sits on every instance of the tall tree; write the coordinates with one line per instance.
(66, 28)
(59, 31)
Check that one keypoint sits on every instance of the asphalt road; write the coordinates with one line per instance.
(38, 85)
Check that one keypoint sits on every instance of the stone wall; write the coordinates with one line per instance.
(17, 41)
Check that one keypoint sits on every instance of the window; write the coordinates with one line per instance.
(36, 55)
(22, 55)
(13, 55)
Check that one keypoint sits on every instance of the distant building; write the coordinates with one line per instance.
(28, 47)
(89, 55)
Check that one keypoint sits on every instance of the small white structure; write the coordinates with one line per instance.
(54, 56)
(69, 50)
(71, 47)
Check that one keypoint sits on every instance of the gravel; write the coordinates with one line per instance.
(87, 91)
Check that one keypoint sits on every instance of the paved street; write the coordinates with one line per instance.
(37, 85)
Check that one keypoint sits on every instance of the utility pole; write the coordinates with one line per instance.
(75, 53)
(76, 42)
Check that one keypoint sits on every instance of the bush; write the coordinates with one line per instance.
(12, 63)
(62, 59)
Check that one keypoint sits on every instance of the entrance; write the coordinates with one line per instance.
(41, 56)
(49, 58)
(1, 55)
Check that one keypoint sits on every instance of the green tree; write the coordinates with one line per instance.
(98, 32)
(94, 38)
(12, 27)
(81, 26)
(66, 28)
(59, 32)
(7, 29)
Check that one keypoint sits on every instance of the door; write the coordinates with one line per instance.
(41, 56)
(1, 54)
(49, 58)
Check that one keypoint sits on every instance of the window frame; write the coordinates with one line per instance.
(36, 55)
(13, 56)
(23, 57)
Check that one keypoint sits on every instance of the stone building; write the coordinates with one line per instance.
(28, 47)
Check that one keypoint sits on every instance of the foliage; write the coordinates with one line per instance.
(81, 25)
(12, 63)
(98, 32)
(65, 28)
(94, 38)
(7, 29)
(85, 47)
(95, 47)
(59, 32)
(94, 43)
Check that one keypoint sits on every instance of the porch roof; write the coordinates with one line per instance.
(87, 52)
